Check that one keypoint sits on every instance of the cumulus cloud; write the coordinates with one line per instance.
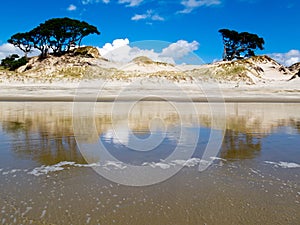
(287, 59)
(131, 3)
(109, 47)
(9, 49)
(190, 5)
(120, 51)
(180, 49)
(150, 15)
(72, 8)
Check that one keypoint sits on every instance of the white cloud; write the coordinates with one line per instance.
(71, 7)
(109, 47)
(287, 59)
(180, 49)
(85, 2)
(157, 18)
(131, 3)
(150, 14)
(120, 51)
(249, 1)
(190, 5)
(9, 49)
(137, 17)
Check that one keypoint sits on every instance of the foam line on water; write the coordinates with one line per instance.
(109, 165)
(285, 165)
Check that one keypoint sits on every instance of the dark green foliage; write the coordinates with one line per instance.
(240, 45)
(13, 62)
(23, 41)
(57, 35)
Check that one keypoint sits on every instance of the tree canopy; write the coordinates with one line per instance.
(57, 35)
(13, 62)
(240, 45)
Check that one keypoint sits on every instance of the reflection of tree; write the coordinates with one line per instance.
(295, 124)
(48, 149)
(15, 127)
(238, 145)
(38, 142)
(45, 132)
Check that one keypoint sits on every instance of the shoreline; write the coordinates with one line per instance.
(279, 91)
(151, 99)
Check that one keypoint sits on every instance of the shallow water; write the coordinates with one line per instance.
(44, 178)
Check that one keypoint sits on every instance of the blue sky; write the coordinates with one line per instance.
(196, 22)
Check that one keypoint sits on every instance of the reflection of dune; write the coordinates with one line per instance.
(256, 118)
(47, 128)
(56, 118)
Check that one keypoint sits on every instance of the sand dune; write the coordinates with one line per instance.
(258, 78)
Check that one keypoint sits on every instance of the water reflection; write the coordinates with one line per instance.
(241, 187)
(238, 145)
(44, 132)
(295, 123)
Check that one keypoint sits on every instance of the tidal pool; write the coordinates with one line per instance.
(46, 179)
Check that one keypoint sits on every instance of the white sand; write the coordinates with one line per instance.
(272, 91)
(270, 85)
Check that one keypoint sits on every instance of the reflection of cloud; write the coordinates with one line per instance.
(119, 135)
(123, 135)
(180, 137)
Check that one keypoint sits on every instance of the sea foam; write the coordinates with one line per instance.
(285, 165)
(44, 170)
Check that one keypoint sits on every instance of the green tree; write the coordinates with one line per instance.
(240, 45)
(57, 35)
(23, 41)
(65, 33)
(13, 62)
(40, 36)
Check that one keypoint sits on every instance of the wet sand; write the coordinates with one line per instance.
(135, 98)
(44, 179)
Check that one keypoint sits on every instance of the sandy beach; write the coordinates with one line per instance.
(101, 90)
(139, 112)
(146, 114)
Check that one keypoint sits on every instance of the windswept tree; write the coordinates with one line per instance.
(63, 33)
(56, 35)
(23, 41)
(40, 36)
(240, 45)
